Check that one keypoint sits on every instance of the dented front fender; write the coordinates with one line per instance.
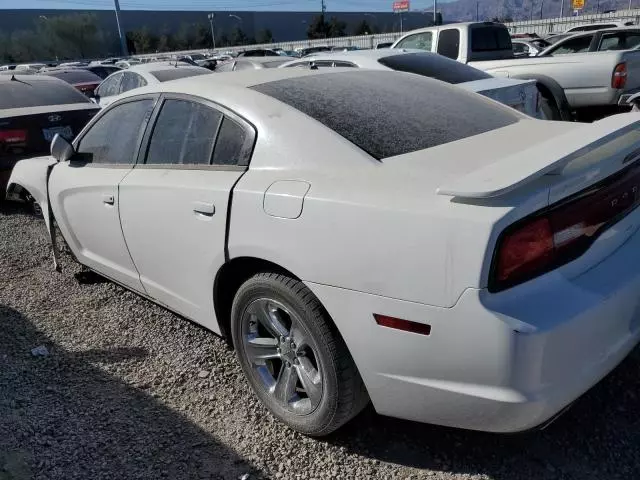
(32, 175)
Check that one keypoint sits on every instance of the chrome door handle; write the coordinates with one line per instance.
(204, 208)
(108, 199)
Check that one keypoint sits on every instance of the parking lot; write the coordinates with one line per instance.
(126, 386)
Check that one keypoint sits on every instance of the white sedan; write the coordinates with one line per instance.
(358, 241)
(142, 75)
(519, 94)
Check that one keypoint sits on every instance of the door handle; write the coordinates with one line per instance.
(108, 199)
(204, 208)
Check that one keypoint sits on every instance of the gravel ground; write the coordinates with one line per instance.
(129, 390)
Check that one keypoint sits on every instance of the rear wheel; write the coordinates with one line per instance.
(292, 355)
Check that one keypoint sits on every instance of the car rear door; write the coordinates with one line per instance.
(174, 203)
(84, 191)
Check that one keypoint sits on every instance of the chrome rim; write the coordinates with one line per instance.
(282, 355)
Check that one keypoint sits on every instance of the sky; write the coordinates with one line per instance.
(201, 5)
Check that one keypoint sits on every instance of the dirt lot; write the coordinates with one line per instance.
(129, 390)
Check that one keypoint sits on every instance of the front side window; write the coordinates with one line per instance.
(421, 41)
(111, 86)
(184, 134)
(449, 43)
(574, 45)
(114, 138)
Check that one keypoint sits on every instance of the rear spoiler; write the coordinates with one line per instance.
(511, 172)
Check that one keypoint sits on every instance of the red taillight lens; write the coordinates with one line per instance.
(13, 136)
(561, 233)
(619, 77)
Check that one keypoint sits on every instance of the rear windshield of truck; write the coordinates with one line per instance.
(489, 38)
(434, 66)
(390, 113)
(27, 91)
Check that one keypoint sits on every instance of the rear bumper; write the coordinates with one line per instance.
(491, 364)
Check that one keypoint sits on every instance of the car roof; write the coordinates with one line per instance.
(155, 66)
(30, 78)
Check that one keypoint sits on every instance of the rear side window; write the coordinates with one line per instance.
(176, 73)
(434, 66)
(130, 81)
(421, 41)
(449, 43)
(232, 145)
(28, 92)
(619, 41)
(114, 138)
(184, 134)
(486, 39)
(380, 112)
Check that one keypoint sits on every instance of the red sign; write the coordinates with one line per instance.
(401, 6)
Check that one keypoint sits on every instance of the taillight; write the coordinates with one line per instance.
(561, 233)
(619, 77)
(13, 136)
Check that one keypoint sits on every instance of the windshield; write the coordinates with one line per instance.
(434, 66)
(380, 111)
(29, 92)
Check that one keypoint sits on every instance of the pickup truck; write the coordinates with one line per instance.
(581, 82)
(626, 38)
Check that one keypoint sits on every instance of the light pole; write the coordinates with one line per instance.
(123, 40)
(435, 14)
(212, 17)
(236, 17)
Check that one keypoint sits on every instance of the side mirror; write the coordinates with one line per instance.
(61, 149)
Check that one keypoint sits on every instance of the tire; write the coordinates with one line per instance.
(550, 109)
(293, 356)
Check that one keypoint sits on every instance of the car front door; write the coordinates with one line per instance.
(173, 204)
(84, 190)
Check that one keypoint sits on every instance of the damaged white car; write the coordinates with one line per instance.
(357, 241)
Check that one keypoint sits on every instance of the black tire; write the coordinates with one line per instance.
(550, 108)
(343, 393)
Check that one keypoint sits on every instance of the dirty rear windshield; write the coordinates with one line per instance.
(390, 113)
(76, 76)
(434, 66)
(488, 38)
(176, 73)
(29, 92)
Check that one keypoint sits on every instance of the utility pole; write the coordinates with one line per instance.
(212, 17)
(123, 40)
(561, 8)
(477, 11)
(323, 7)
(541, 5)
(435, 10)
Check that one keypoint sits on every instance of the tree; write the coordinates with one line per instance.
(142, 41)
(337, 28)
(238, 37)
(363, 28)
(202, 36)
(265, 36)
(318, 28)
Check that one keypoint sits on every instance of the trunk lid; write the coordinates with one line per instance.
(27, 132)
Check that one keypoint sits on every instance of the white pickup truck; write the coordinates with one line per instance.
(567, 83)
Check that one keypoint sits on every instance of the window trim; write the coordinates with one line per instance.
(143, 151)
(149, 96)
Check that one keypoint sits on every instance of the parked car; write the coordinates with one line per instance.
(29, 67)
(590, 27)
(84, 80)
(599, 82)
(253, 63)
(310, 50)
(141, 75)
(103, 71)
(384, 45)
(519, 94)
(529, 47)
(357, 241)
(625, 38)
(33, 109)
(259, 52)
